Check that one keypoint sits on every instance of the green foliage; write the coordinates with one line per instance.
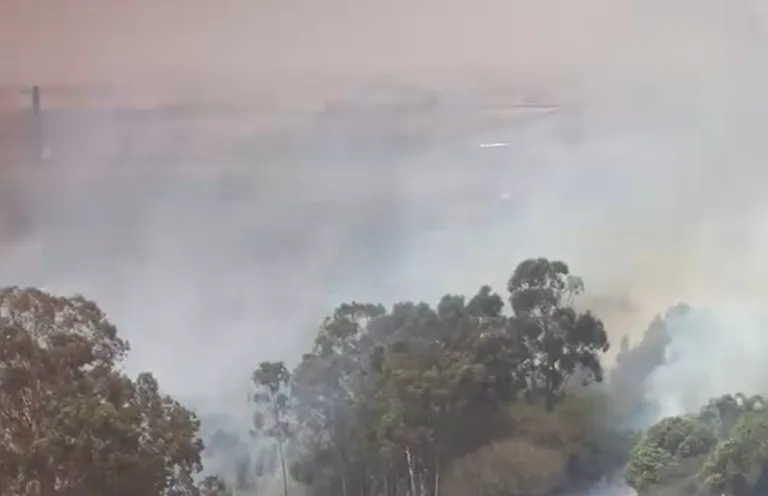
(507, 468)
(681, 437)
(738, 459)
(722, 450)
(662, 452)
(478, 394)
(389, 400)
(72, 422)
(273, 408)
(646, 463)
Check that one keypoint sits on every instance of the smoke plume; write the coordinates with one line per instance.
(220, 238)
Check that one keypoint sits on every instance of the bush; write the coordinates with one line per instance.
(507, 468)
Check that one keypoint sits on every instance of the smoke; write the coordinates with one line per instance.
(220, 240)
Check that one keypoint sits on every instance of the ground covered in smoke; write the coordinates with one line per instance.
(214, 256)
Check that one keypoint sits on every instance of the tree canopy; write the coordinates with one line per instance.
(489, 394)
(73, 423)
(721, 450)
(388, 400)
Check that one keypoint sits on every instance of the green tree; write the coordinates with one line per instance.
(272, 380)
(723, 449)
(723, 413)
(72, 422)
(666, 448)
(386, 400)
(558, 339)
(736, 462)
(329, 386)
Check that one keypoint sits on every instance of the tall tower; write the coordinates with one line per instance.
(37, 127)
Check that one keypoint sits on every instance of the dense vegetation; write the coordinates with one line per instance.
(721, 450)
(485, 395)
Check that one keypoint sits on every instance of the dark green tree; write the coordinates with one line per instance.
(387, 400)
(558, 339)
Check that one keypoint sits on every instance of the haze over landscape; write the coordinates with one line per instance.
(221, 175)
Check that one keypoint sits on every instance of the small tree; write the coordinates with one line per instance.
(214, 486)
(272, 416)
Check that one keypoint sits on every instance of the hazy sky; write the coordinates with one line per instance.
(665, 44)
(650, 181)
(655, 197)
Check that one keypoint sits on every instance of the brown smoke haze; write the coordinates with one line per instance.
(208, 46)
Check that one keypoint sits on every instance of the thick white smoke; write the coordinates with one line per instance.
(219, 246)
(711, 353)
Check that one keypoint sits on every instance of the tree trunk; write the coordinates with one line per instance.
(344, 489)
(282, 466)
(411, 471)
